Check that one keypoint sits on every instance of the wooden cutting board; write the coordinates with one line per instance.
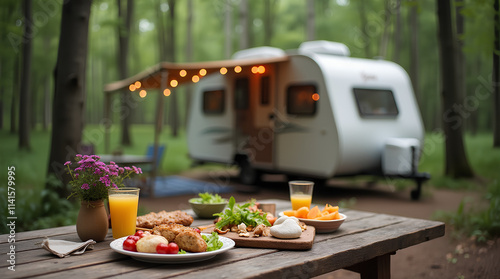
(304, 242)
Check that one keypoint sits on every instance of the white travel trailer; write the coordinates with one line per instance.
(314, 113)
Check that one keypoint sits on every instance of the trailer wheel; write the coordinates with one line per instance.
(415, 193)
(248, 175)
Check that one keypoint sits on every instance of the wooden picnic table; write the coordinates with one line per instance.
(364, 243)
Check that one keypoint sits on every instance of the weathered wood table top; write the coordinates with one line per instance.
(364, 243)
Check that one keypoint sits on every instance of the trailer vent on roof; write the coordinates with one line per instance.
(324, 47)
(259, 52)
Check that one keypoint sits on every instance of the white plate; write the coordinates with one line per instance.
(322, 226)
(117, 245)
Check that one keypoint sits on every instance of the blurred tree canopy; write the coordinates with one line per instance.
(368, 28)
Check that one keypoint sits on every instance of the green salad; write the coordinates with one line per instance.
(208, 198)
(213, 242)
(237, 214)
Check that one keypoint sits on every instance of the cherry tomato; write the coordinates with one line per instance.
(135, 238)
(162, 248)
(139, 233)
(129, 245)
(197, 230)
(172, 248)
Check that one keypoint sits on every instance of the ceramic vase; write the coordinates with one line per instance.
(92, 222)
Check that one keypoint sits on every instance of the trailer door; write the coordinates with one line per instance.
(254, 102)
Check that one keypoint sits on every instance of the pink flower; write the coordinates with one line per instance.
(136, 169)
(85, 186)
(105, 180)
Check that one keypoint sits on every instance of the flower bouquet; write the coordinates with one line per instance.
(91, 179)
(90, 182)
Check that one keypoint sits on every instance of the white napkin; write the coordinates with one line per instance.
(63, 248)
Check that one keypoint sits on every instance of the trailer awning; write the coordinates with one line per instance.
(180, 73)
(170, 75)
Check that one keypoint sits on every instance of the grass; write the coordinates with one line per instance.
(31, 168)
(479, 221)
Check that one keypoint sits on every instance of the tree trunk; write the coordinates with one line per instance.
(384, 40)
(496, 77)
(397, 32)
(414, 65)
(245, 28)
(46, 104)
(25, 100)
(125, 16)
(228, 25)
(13, 104)
(173, 109)
(69, 90)
(2, 93)
(162, 48)
(310, 26)
(461, 78)
(46, 93)
(364, 26)
(456, 163)
(189, 55)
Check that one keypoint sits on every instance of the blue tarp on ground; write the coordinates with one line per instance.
(177, 185)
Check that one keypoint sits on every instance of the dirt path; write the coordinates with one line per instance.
(444, 257)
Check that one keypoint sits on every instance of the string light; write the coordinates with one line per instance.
(137, 84)
(203, 72)
(315, 96)
(166, 92)
(183, 73)
(195, 78)
(174, 83)
(223, 70)
(237, 69)
(143, 93)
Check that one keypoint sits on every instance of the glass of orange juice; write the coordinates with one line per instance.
(123, 204)
(301, 193)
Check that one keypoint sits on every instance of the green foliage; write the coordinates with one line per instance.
(483, 158)
(481, 223)
(334, 20)
(236, 214)
(213, 242)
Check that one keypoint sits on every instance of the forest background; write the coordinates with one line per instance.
(402, 31)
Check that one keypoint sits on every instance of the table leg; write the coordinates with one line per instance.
(376, 268)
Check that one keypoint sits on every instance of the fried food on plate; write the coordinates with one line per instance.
(169, 231)
(186, 238)
(163, 217)
(191, 241)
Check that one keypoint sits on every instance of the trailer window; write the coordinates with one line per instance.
(265, 90)
(301, 100)
(241, 93)
(213, 102)
(375, 102)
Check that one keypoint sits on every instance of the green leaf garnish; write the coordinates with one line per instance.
(237, 214)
